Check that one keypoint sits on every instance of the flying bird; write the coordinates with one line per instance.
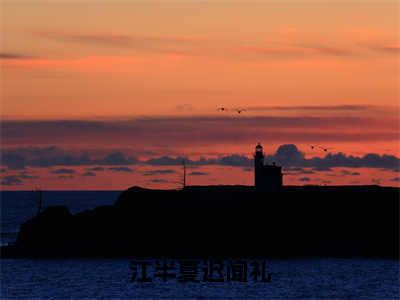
(239, 111)
(313, 146)
(222, 108)
(325, 149)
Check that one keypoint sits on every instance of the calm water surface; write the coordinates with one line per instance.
(60, 279)
(322, 278)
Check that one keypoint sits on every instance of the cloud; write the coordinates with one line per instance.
(96, 169)
(65, 176)
(233, 160)
(162, 131)
(118, 158)
(385, 48)
(193, 45)
(326, 50)
(25, 175)
(167, 161)
(307, 172)
(291, 156)
(13, 56)
(312, 108)
(305, 179)
(157, 44)
(157, 180)
(11, 180)
(158, 172)
(198, 45)
(296, 171)
(228, 160)
(121, 169)
(91, 63)
(346, 172)
(287, 155)
(17, 179)
(107, 39)
(88, 174)
(198, 173)
(294, 50)
(19, 158)
(396, 179)
(63, 171)
(12, 160)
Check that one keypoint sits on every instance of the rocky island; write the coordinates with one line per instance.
(221, 222)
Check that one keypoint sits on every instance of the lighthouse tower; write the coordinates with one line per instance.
(258, 165)
(266, 177)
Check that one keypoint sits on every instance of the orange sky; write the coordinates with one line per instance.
(118, 60)
(113, 58)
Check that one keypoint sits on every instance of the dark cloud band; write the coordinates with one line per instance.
(201, 130)
(287, 155)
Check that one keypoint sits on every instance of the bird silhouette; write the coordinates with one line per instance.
(325, 149)
(222, 108)
(239, 111)
(313, 146)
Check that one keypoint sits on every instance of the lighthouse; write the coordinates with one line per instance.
(266, 177)
(258, 164)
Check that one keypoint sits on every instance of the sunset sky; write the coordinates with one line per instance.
(110, 94)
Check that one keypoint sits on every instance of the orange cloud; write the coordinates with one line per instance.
(95, 63)
(386, 47)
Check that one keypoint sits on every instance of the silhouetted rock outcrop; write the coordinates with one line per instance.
(222, 221)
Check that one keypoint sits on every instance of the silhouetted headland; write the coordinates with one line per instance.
(221, 221)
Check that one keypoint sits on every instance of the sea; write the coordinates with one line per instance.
(322, 278)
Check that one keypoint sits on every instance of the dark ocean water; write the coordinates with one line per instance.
(305, 279)
(111, 278)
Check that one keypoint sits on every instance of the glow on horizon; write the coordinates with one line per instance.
(117, 61)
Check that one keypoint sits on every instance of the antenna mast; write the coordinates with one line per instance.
(184, 173)
(39, 200)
